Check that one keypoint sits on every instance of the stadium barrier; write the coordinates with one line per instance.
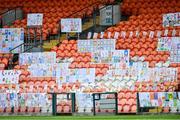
(104, 103)
(63, 103)
(87, 103)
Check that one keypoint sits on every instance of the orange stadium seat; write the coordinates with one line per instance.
(145, 17)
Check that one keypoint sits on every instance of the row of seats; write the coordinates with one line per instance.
(143, 7)
(27, 110)
(127, 95)
(142, 32)
(53, 11)
(68, 49)
(64, 109)
(51, 86)
(67, 109)
(35, 79)
(127, 101)
(127, 108)
(138, 45)
(63, 105)
(4, 60)
(146, 23)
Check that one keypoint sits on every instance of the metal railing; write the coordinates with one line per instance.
(94, 14)
(30, 43)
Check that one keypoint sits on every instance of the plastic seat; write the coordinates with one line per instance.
(16, 109)
(30, 109)
(66, 109)
(59, 109)
(23, 109)
(131, 101)
(1, 110)
(8, 110)
(120, 95)
(133, 108)
(37, 109)
(122, 101)
(166, 110)
(126, 108)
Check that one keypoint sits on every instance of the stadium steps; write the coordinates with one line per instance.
(89, 24)
(48, 45)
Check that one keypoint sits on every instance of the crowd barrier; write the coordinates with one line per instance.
(86, 103)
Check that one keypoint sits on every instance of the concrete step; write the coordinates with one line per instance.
(48, 45)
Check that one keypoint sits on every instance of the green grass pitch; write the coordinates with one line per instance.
(119, 117)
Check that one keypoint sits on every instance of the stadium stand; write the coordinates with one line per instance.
(53, 11)
(4, 60)
(145, 18)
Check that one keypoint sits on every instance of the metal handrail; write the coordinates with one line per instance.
(33, 45)
(26, 50)
(59, 31)
(94, 10)
(16, 47)
(93, 4)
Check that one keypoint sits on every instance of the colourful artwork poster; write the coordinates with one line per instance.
(134, 70)
(33, 100)
(9, 76)
(43, 70)
(96, 45)
(164, 44)
(84, 76)
(59, 70)
(143, 71)
(171, 19)
(178, 100)
(62, 73)
(71, 25)
(106, 14)
(163, 74)
(144, 99)
(161, 98)
(8, 100)
(37, 58)
(87, 101)
(109, 14)
(116, 56)
(11, 38)
(158, 99)
(154, 99)
(175, 50)
(34, 19)
(22, 98)
(118, 77)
